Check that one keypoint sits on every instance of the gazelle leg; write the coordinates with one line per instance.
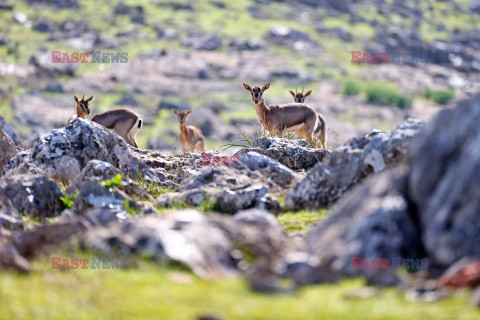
(200, 146)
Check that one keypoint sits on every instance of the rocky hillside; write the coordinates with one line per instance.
(392, 200)
(195, 54)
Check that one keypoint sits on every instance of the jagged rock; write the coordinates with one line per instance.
(234, 200)
(349, 164)
(444, 183)
(210, 245)
(8, 129)
(81, 140)
(100, 170)
(279, 173)
(93, 195)
(8, 149)
(371, 222)
(34, 195)
(9, 217)
(295, 154)
(193, 197)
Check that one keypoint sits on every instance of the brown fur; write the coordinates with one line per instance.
(191, 138)
(122, 121)
(290, 117)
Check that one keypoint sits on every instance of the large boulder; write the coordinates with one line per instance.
(72, 147)
(34, 195)
(444, 183)
(351, 163)
(370, 222)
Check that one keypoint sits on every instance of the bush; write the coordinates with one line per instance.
(439, 96)
(351, 87)
(378, 94)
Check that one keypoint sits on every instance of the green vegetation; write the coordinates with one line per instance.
(115, 181)
(385, 95)
(439, 96)
(301, 221)
(150, 291)
(351, 87)
(67, 201)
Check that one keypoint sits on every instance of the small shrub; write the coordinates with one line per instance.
(351, 87)
(439, 96)
(115, 181)
(67, 201)
(378, 94)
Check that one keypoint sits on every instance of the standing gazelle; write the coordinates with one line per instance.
(191, 138)
(82, 107)
(122, 121)
(290, 117)
(299, 96)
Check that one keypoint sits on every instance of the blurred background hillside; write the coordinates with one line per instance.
(196, 54)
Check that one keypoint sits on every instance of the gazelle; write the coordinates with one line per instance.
(82, 107)
(191, 137)
(122, 121)
(290, 117)
(299, 96)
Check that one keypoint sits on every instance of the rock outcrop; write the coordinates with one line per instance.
(349, 164)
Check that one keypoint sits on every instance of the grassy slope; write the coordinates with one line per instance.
(153, 292)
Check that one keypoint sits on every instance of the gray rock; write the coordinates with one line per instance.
(9, 150)
(349, 164)
(9, 130)
(295, 154)
(100, 170)
(211, 245)
(81, 140)
(93, 195)
(204, 41)
(34, 195)
(371, 222)
(444, 183)
(234, 200)
(279, 173)
(9, 217)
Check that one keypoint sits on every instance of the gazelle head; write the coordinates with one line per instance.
(182, 115)
(256, 92)
(300, 96)
(82, 105)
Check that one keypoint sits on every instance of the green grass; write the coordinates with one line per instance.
(351, 87)
(151, 291)
(377, 93)
(439, 96)
(301, 221)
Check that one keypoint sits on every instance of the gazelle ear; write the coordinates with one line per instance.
(265, 87)
(91, 98)
(309, 92)
(75, 97)
(292, 93)
(174, 111)
(188, 112)
(247, 87)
